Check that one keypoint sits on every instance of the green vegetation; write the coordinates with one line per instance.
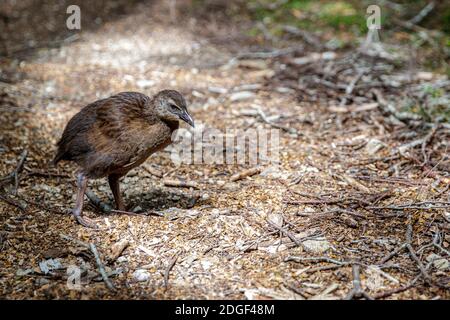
(437, 107)
(310, 15)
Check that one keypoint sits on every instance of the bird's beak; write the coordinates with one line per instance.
(186, 117)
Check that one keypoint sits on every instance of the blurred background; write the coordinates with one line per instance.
(32, 24)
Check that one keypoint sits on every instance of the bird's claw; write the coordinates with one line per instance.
(85, 222)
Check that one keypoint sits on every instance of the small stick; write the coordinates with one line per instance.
(388, 293)
(19, 168)
(427, 140)
(318, 259)
(46, 174)
(246, 173)
(265, 119)
(180, 183)
(322, 268)
(392, 254)
(167, 271)
(412, 253)
(97, 202)
(94, 251)
(13, 202)
(353, 182)
(357, 291)
(101, 268)
(153, 171)
(285, 232)
(79, 242)
(15, 174)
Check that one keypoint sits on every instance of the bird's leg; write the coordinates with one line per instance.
(113, 180)
(81, 188)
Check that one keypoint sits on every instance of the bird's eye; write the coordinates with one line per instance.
(174, 107)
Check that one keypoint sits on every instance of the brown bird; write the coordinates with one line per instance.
(109, 137)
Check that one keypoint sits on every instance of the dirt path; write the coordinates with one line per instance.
(220, 235)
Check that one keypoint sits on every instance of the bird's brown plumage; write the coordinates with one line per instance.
(114, 135)
(109, 137)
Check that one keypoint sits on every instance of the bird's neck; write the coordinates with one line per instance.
(173, 125)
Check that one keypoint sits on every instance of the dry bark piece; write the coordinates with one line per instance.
(246, 173)
(117, 249)
(180, 183)
(153, 171)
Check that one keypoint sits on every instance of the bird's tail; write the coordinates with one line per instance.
(59, 156)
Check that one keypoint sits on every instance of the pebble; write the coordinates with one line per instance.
(205, 196)
(141, 275)
(218, 90)
(317, 245)
(439, 262)
(276, 219)
(243, 95)
(48, 265)
(145, 83)
(373, 146)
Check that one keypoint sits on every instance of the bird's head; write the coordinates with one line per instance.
(171, 106)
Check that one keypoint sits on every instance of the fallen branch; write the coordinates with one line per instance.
(357, 292)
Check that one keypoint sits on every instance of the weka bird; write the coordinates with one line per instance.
(109, 137)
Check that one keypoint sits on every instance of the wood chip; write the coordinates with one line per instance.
(246, 173)
(180, 183)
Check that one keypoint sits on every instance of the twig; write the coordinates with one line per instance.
(422, 14)
(357, 292)
(306, 36)
(436, 240)
(388, 293)
(265, 119)
(15, 174)
(79, 242)
(167, 271)
(427, 140)
(412, 253)
(318, 259)
(101, 268)
(266, 55)
(180, 183)
(351, 87)
(153, 171)
(285, 232)
(117, 249)
(246, 173)
(13, 202)
(97, 202)
(45, 174)
(390, 109)
(94, 251)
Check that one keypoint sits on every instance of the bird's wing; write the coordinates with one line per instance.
(73, 144)
(126, 147)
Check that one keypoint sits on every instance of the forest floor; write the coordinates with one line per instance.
(358, 194)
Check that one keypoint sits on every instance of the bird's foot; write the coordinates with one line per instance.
(85, 222)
